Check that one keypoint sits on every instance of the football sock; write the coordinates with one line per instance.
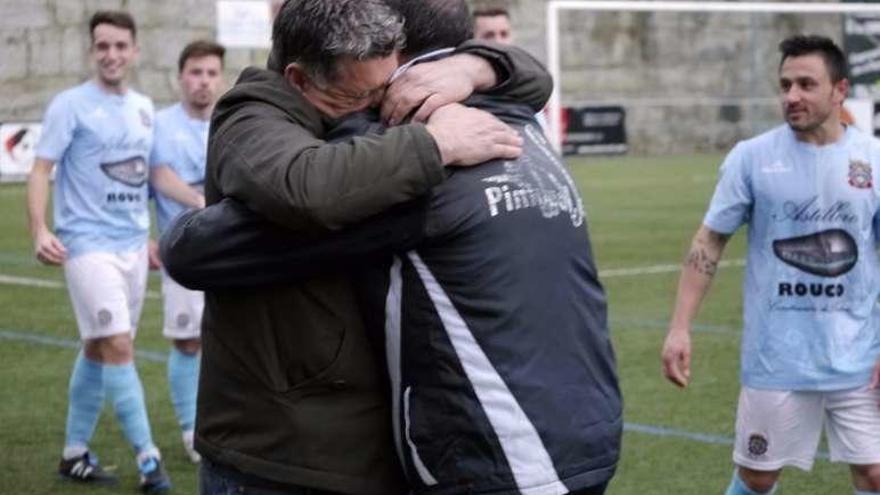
(738, 487)
(86, 399)
(183, 381)
(125, 392)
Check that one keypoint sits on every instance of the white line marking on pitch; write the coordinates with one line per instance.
(610, 273)
(47, 284)
(40, 338)
(650, 270)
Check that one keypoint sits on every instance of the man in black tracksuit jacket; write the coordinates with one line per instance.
(493, 319)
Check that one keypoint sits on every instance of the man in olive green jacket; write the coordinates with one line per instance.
(291, 397)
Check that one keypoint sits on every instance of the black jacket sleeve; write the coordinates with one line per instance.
(227, 246)
(521, 78)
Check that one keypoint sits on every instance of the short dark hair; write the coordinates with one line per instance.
(118, 18)
(199, 49)
(433, 24)
(800, 45)
(491, 12)
(317, 33)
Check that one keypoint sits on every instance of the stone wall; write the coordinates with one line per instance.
(688, 81)
(45, 48)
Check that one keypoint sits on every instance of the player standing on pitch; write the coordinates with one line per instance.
(810, 344)
(493, 25)
(100, 134)
(178, 167)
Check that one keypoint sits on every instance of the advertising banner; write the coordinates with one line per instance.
(18, 142)
(593, 130)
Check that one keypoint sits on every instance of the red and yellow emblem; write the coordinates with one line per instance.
(860, 174)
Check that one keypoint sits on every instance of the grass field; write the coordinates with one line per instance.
(641, 214)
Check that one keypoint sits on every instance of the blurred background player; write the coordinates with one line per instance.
(493, 24)
(810, 346)
(100, 134)
(178, 168)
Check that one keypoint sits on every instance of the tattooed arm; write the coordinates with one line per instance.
(699, 269)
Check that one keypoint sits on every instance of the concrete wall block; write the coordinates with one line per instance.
(157, 84)
(92, 6)
(25, 14)
(13, 54)
(238, 58)
(44, 56)
(74, 52)
(160, 47)
(32, 96)
(165, 14)
(70, 13)
(202, 14)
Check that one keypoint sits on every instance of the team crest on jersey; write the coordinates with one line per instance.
(145, 118)
(757, 445)
(104, 317)
(183, 320)
(860, 175)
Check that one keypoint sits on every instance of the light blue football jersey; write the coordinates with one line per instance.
(812, 279)
(100, 143)
(181, 143)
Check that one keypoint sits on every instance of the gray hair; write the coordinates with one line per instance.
(318, 33)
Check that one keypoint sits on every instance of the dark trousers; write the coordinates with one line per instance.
(215, 479)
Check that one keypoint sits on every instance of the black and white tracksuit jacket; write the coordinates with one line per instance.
(495, 331)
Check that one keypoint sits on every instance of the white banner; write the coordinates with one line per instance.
(18, 143)
(244, 23)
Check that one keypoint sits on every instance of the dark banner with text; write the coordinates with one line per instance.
(594, 130)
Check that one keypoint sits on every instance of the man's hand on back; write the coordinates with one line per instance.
(467, 136)
(431, 85)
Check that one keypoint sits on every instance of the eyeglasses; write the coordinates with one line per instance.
(342, 95)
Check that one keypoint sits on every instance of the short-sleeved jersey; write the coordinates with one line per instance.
(812, 279)
(181, 143)
(100, 143)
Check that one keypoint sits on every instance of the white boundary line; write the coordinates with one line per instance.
(556, 6)
(44, 283)
(610, 273)
(651, 270)
(161, 357)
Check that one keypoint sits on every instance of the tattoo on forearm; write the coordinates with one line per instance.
(700, 261)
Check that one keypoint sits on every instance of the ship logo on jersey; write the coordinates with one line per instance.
(860, 174)
(829, 253)
(131, 172)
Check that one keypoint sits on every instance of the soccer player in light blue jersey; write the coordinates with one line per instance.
(811, 337)
(99, 135)
(178, 168)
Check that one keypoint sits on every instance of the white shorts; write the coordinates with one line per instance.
(183, 310)
(107, 291)
(782, 428)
